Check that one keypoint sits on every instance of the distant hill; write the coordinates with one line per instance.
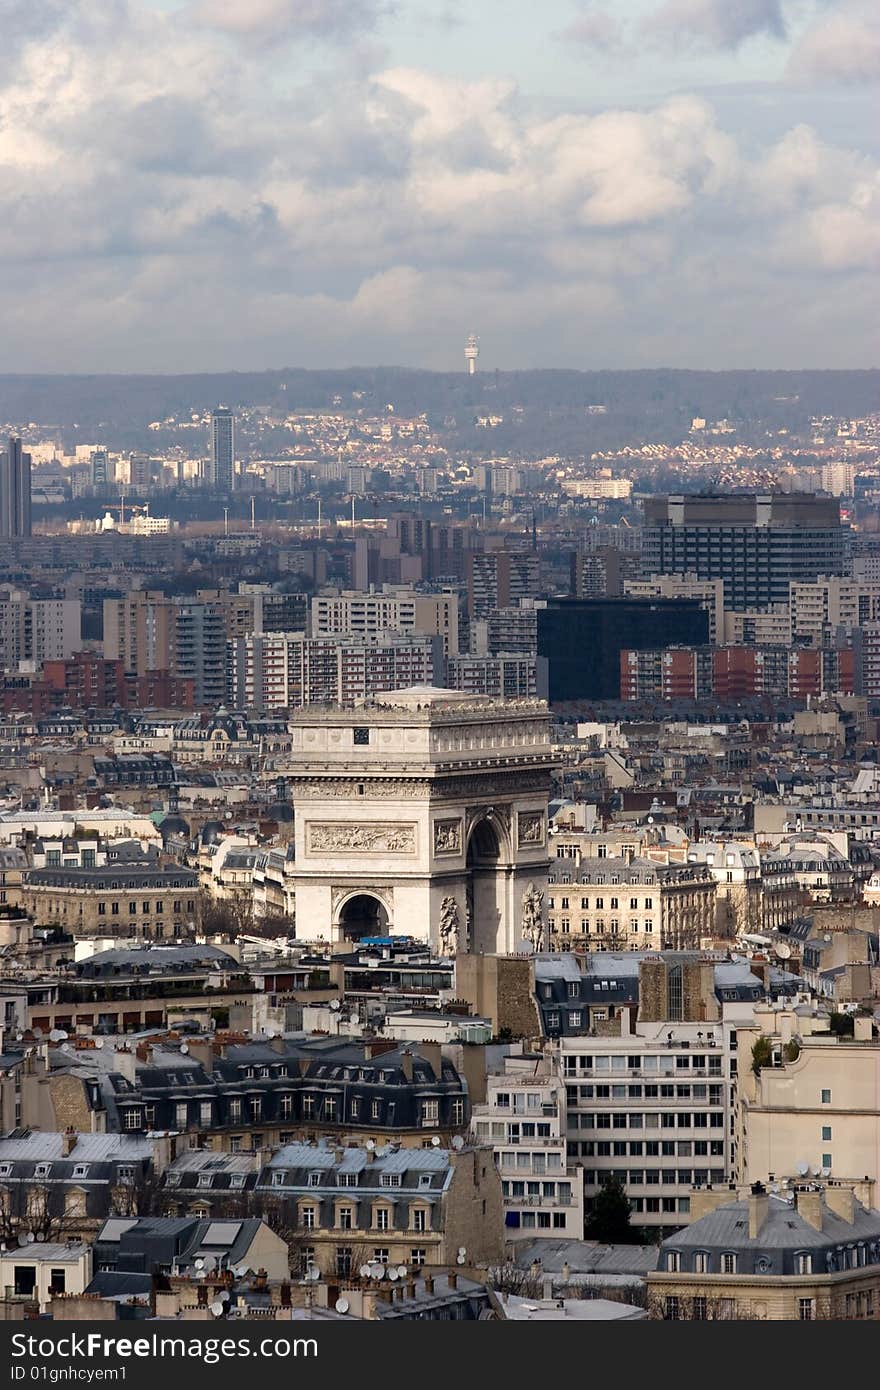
(653, 405)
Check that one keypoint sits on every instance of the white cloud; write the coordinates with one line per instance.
(166, 205)
(270, 20)
(841, 47)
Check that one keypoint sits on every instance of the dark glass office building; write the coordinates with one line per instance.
(756, 544)
(580, 640)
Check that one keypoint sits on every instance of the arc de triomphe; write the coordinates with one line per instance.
(423, 814)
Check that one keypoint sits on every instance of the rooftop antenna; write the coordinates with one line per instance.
(352, 511)
(319, 518)
(471, 353)
(253, 510)
(226, 521)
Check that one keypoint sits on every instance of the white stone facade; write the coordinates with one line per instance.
(430, 808)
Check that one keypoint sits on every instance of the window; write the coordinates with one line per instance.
(671, 1309)
(278, 1179)
(826, 1134)
(728, 1263)
(234, 1109)
(42, 1170)
(316, 1179)
(181, 1115)
(701, 1262)
(125, 1172)
(803, 1263)
(673, 1262)
(361, 738)
(430, 1112)
(307, 1217)
(390, 1180)
(381, 1219)
(420, 1219)
(826, 1097)
(206, 1110)
(131, 1118)
(343, 1261)
(381, 1255)
(806, 1309)
(826, 1161)
(418, 1257)
(346, 1218)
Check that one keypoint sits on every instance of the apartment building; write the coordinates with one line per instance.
(506, 676)
(370, 615)
(407, 1207)
(808, 1101)
(524, 1121)
(810, 1253)
(628, 904)
(831, 600)
(289, 670)
(138, 630)
(500, 579)
(37, 630)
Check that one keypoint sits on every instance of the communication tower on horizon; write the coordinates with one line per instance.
(471, 353)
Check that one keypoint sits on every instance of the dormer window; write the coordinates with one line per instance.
(80, 1170)
(316, 1179)
(42, 1170)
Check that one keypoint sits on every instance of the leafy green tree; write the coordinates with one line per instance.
(609, 1220)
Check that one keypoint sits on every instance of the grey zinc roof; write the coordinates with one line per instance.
(354, 1160)
(46, 1146)
(727, 1228)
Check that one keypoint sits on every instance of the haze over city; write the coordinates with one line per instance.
(194, 185)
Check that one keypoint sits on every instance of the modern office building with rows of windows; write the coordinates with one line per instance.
(654, 1106)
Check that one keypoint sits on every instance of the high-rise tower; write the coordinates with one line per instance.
(223, 449)
(15, 492)
(471, 353)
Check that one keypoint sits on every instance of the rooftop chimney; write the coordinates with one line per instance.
(406, 1063)
(68, 1141)
(759, 1204)
(842, 1201)
(809, 1208)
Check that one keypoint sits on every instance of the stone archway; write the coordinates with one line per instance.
(486, 875)
(362, 915)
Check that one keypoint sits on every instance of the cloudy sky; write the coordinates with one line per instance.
(193, 185)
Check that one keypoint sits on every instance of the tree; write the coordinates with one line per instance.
(762, 1054)
(609, 1220)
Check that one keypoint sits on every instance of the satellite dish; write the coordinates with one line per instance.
(313, 1274)
(436, 1141)
(802, 1168)
(99, 1043)
(459, 1259)
(458, 1143)
(402, 1271)
(184, 1047)
(342, 1305)
(825, 1173)
(217, 1309)
(199, 1263)
(335, 1004)
(393, 1275)
(30, 1237)
(22, 1238)
(370, 1145)
(210, 1262)
(377, 1271)
(55, 1035)
(462, 1250)
(224, 1296)
(783, 950)
(364, 1271)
